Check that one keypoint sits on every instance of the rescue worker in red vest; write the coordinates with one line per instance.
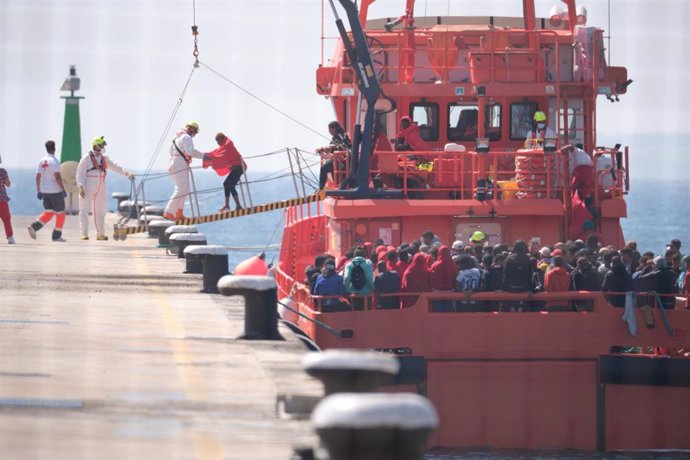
(534, 139)
(181, 153)
(91, 174)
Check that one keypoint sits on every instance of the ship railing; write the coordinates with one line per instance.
(612, 175)
(451, 56)
(489, 302)
(498, 174)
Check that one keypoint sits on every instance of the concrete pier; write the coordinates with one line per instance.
(108, 351)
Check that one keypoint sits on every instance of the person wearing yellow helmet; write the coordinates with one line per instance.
(535, 138)
(478, 237)
(91, 174)
(182, 152)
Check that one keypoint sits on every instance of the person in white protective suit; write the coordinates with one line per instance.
(91, 174)
(181, 153)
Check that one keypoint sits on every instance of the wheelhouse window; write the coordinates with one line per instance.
(463, 120)
(492, 121)
(425, 115)
(521, 114)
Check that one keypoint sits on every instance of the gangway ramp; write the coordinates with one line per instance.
(121, 231)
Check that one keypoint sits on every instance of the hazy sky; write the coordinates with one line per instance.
(134, 57)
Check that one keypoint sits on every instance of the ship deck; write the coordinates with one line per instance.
(109, 351)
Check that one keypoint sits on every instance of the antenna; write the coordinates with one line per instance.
(609, 30)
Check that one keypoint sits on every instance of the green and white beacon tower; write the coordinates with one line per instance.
(71, 140)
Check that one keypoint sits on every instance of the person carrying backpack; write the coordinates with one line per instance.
(359, 278)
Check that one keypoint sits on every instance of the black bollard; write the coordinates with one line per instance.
(164, 242)
(260, 304)
(214, 260)
(375, 426)
(351, 371)
(181, 241)
(157, 228)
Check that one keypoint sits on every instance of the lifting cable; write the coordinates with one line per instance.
(266, 103)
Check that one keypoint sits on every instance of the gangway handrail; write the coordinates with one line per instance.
(121, 231)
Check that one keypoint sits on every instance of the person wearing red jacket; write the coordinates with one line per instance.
(226, 159)
(408, 136)
(557, 279)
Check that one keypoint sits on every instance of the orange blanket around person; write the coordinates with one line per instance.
(224, 158)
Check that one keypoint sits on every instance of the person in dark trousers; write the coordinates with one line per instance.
(51, 191)
(584, 278)
(329, 283)
(517, 274)
(227, 160)
(386, 282)
(617, 279)
(339, 142)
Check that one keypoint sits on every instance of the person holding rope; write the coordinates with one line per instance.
(181, 153)
(226, 159)
(91, 174)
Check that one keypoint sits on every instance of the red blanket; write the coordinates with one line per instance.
(224, 158)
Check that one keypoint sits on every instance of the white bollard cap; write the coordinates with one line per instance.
(187, 237)
(181, 229)
(405, 411)
(351, 359)
(211, 250)
(252, 282)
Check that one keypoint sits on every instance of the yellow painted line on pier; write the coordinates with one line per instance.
(208, 445)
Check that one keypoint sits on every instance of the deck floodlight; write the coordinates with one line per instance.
(581, 15)
(556, 16)
(72, 81)
(549, 145)
(482, 145)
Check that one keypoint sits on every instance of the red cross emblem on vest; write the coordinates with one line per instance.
(44, 165)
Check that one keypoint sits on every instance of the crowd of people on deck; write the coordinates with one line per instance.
(374, 275)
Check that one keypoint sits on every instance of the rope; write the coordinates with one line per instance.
(663, 313)
(166, 130)
(249, 93)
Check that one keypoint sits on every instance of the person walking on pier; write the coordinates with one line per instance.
(91, 174)
(5, 205)
(181, 153)
(51, 191)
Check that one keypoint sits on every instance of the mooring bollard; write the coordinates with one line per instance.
(181, 241)
(164, 242)
(260, 304)
(375, 426)
(127, 208)
(151, 218)
(157, 229)
(351, 371)
(214, 260)
(154, 210)
(120, 197)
